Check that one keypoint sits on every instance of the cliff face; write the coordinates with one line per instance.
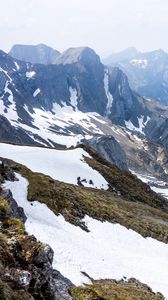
(109, 149)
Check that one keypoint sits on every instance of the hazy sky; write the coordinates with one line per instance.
(105, 25)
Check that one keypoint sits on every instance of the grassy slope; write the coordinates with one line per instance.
(73, 202)
(145, 214)
(113, 290)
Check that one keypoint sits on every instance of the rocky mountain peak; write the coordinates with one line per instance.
(41, 53)
(126, 54)
(76, 55)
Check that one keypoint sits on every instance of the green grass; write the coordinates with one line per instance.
(16, 225)
(4, 208)
(74, 202)
(113, 290)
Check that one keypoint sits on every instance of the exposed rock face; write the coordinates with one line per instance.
(109, 149)
(15, 210)
(8, 174)
(77, 82)
(32, 270)
(147, 73)
(98, 89)
(157, 130)
(127, 106)
(26, 271)
(39, 54)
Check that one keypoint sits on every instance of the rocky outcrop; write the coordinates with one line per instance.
(109, 149)
(31, 271)
(15, 210)
(26, 271)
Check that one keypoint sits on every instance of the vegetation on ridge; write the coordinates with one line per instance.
(74, 202)
(115, 290)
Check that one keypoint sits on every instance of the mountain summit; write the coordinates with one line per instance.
(76, 55)
(126, 54)
(39, 54)
(147, 72)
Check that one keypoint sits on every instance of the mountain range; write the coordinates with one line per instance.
(74, 136)
(78, 99)
(146, 71)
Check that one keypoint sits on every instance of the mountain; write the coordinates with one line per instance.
(87, 146)
(38, 54)
(78, 80)
(147, 73)
(76, 220)
(76, 100)
(126, 54)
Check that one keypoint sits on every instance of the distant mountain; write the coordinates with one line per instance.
(78, 80)
(78, 100)
(147, 73)
(38, 54)
(126, 54)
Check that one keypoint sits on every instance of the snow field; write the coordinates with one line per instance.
(107, 251)
(63, 165)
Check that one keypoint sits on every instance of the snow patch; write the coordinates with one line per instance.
(73, 97)
(107, 251)
(36, 92)
(63, 165)
(30, 74)
(9, 111)
(156, 185)
(107, 92)
(141, 63)
(141, 122)
(17, 66)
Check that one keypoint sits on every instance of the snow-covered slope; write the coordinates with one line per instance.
(107, 251)
(61, 126)
(158, 186)
(63, 165)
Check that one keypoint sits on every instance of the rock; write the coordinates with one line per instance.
(15, 210)
(23, 278)
(46, 280)
(20, 278)
(60, 286)
(44, 256)
(109, 149)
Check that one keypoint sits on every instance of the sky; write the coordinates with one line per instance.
(105, 25)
